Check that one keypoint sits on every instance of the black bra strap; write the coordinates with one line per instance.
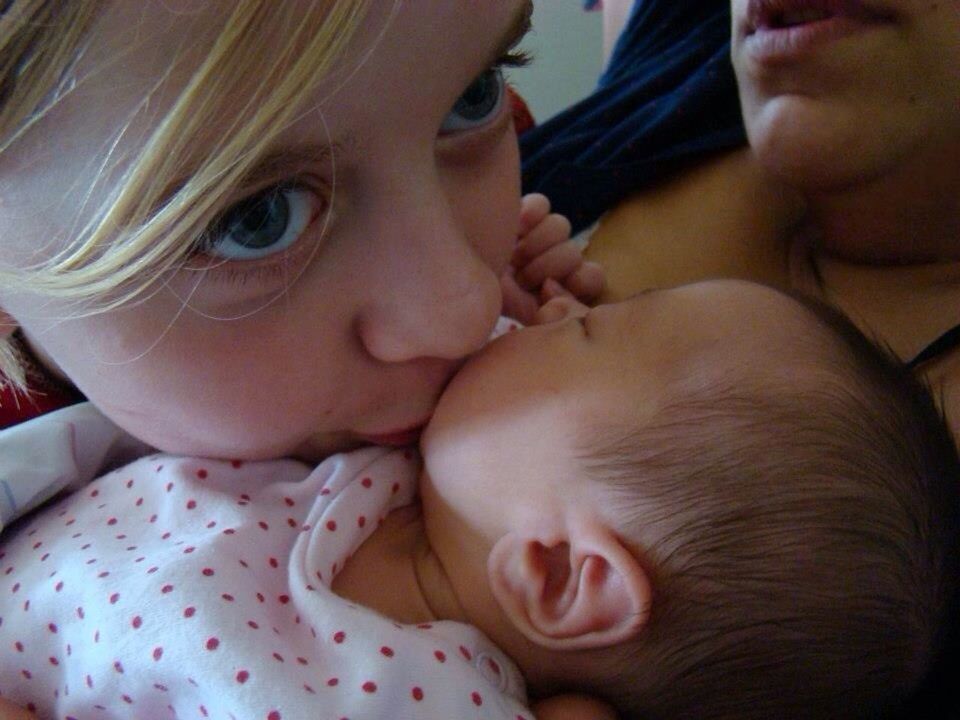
(942, 345)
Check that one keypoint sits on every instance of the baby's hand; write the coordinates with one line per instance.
(545, 252)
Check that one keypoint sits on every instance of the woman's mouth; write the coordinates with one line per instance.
(784, 30)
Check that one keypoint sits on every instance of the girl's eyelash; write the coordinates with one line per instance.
(514, 59)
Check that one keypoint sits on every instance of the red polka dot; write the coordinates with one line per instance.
(331, 525)
(202, 473)
(19, 646)
(417, 694)
(114, 597)
(253, 625)
(477, 700)
(278, 657)
(395, 488)
(466, 653)
(189, 612)
(339, 636)
(369, 686)
(332, 682)
(361, 521)
(242, 676)
(366, 482)
(166, 589)
(236, 464)
(283, 599)
(112, 521)
(191, 504)
(208, 572)
(213, 643)
(386, 651)
(274, 715)
(289, 501)
(273, 562)
(52, 628)
(136, 622)
(263, 525)
(157, 653)
(118, 666)
(440, 655)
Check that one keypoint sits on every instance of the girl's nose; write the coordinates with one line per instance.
(438, 299)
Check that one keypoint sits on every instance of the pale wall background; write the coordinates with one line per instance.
(567, 48)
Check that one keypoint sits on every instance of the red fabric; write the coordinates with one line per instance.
(18, 407)
(522, 117)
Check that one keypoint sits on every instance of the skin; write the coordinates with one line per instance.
(501, 450)
(856, 144)
(388, 298)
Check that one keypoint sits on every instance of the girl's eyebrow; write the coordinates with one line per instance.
(274, 165)
(280, 161)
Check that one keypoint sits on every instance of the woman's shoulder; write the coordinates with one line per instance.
(722, 218)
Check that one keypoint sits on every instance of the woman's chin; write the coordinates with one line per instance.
(815, 148)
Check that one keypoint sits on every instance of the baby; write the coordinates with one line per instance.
(714, 501)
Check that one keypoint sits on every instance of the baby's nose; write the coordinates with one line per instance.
(560, 308)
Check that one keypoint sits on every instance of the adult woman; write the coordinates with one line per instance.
(851, 186)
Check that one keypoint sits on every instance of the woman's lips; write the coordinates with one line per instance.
(783, 30)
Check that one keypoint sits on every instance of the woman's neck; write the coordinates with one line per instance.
(909, 216)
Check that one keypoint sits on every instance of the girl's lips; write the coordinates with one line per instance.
(783, 30)
(396, 438)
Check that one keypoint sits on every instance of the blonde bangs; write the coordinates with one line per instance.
(161, 204)
(148, 225)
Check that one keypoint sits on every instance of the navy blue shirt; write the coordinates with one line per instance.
(667, 98)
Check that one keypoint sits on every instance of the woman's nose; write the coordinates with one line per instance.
(438, 298)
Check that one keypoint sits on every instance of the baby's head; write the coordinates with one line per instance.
(716, 501)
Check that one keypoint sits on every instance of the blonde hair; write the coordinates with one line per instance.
(145, 227)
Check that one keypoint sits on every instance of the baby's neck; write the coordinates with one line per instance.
(396, 573)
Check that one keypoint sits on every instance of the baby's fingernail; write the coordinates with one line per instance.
(553, 288)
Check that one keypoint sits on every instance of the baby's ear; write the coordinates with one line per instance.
(581, 590)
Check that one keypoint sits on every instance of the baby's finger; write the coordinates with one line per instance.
(518, 303)
(533, 209)
(552, 230)
(560, 308)
(557, 262)
(586, 282)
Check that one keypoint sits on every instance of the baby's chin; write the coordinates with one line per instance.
(319, 447)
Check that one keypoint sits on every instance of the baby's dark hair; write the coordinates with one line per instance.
(801, 536)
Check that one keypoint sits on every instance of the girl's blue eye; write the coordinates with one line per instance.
(479, 104)
(260, 225)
